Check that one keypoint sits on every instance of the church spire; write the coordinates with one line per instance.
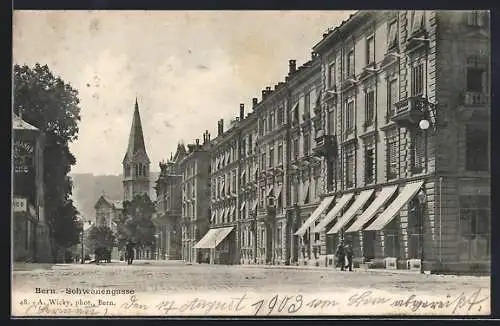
(136, 137)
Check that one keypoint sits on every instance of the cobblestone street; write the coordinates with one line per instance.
(163, 277)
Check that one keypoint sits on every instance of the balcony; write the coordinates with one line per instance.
(407, 113)
(326, 145)
(417, 40)
(474, 104)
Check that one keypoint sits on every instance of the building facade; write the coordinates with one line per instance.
(195, 170)
(31, 240)
(398, 88)
(107, 212)
(169, 206)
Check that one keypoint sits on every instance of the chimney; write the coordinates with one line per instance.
(264, 93)
(313, 55)
(292, 66)
(197, 142)
(242, 111)
(204, 138)
(221, 126)
(218, 128)
(254, 101)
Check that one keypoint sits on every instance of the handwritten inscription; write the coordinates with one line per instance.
(362, 302)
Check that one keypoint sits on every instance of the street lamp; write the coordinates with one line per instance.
(421, 210)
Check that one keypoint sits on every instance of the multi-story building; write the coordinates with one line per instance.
(403, 134)
(271, 147)
(30, 231)
(169, 206)
(248, 187)
(195, 170)
(220, 243)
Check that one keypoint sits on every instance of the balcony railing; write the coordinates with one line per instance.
(475, 98)
(408, 111)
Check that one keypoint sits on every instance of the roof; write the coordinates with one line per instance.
(20, 124)
(136, 137)
(117, 204)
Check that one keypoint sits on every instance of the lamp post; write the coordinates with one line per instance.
(421, 212)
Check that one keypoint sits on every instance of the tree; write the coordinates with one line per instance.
(100, 237)
(136, 223)
(51, 105)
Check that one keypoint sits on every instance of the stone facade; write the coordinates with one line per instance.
(391, 70)
(31, 234)
(169, 206)
(195, 171)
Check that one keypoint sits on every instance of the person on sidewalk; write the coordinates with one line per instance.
(340, 253)
(349, 255)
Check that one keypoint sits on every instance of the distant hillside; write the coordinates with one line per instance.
(88, 187)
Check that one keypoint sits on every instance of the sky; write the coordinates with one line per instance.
(188, 69)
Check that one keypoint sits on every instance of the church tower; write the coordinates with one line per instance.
(136, 161)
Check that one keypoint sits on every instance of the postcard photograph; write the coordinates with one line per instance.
(251, 163)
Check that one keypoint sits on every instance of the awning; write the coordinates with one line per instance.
(268, 193)
(314, 216)
(213, 217)
(242, 206)
(402, 199)
(213, 237)
(333, 212)
(224, 216)
(355, 207)
(221, 214)
(368, 214)
(243, 173)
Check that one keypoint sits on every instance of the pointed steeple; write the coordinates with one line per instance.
(136, 137)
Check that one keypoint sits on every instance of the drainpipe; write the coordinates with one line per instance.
(440, 219)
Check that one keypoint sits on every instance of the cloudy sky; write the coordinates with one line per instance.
(187, 69)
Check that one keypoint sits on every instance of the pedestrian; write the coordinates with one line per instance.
(129, 254)
(349, 255)
(341, 255)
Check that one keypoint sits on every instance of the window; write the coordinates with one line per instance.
(280, 153)
(417, 79)
(271, 121)
(370, 49)
(349, 116)
(271, 157)
(331, 122)
(369, 108)
(418, 152)
(477, 148)
(475, 18)
(307, 105)
(392, 156)
(369, 164)
(417, 21)
(392, 40)
(281, 116)
(250, 144)
(296, 148)
(350, 64)
(262, 126)
(476, 74)
(475, 227)
(279, 236)
(331, 75)
(243, 147)
(307, 142)
(350, 166)
(392, 98)
(234, 181)
(263, 161)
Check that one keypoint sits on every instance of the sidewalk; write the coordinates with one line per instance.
(323, 268)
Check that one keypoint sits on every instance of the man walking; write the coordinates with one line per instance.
(348, 254)
(340, 253)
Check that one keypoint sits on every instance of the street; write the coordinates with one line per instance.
(171, 277)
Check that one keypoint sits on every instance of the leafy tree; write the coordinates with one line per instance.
(136, 223)
(100, 236)
(52, 105)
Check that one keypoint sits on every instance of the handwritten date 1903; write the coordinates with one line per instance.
(280, 304)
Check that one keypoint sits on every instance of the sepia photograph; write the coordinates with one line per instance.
(250, 163)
